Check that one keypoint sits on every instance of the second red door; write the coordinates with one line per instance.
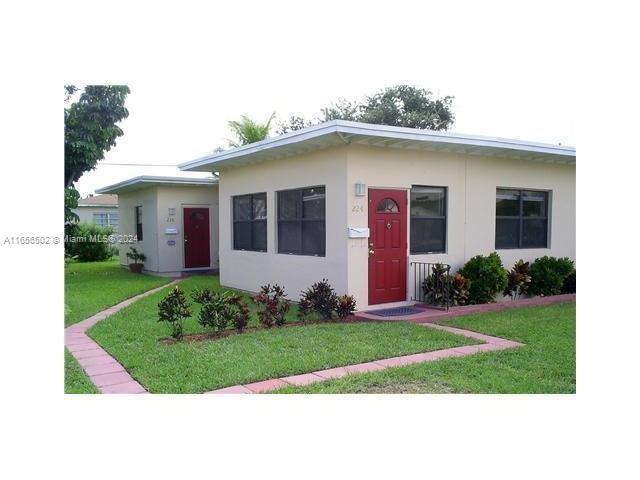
(196, 238)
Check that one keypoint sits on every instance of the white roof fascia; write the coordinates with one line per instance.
(145, 180)
(352, 131)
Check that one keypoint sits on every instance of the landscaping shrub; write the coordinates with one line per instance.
(201, 295)
(486, 277)
(459, 290)
(88, 242)
(239, 311)
(548, 275)
(435, 285)
(346, 306)
(136, 256)
(304, 308)
(215, 312)
(221, 309)
(518, 280)
(273, 307)
(569, 285)
(319, 298)
(173, 309)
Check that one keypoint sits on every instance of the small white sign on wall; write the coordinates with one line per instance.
(171, 231)
(358, 232)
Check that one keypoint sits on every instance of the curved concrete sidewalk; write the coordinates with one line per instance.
(491, 343)
(103, 370)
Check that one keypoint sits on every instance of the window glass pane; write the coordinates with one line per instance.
(534, 233)
(313, 238)
(534, 204)
(313, 202)
(259, 235)
(507, 203)
(260, 206)
(242, 235)
(242, 207)
(427, 202)
(387, 205)
(288, 205)
(507, 232)
(139, 214)
(289, 237)
(427, 235)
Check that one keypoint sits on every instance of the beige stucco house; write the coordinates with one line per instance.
(172, 220)
(363, 206)
(101, 210)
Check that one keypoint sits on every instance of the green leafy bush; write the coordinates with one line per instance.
(221, 309)
(173, 309)
(319, 298)
(569, 285)
(518, 280)
(87, 242)
(215, 312)
(548, 275)
(202, 295)
(272, 306)
(136, 256)
(486, 277)
(346, 306)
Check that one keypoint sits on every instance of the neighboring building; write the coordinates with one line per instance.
(99, 209)
(174, 222)
(362, 205)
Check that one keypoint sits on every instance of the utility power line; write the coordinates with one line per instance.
(138, 164)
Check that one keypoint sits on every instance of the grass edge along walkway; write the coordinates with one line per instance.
(491, 344)
(102, 369)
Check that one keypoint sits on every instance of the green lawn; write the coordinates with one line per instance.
(132, 335)
(94, 286)
(547, 364)
(75, 380)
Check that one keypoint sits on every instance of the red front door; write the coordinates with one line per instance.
(196, 238)
(387, 245)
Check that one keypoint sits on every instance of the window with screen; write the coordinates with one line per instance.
(301, 221)
(522, 219)
(106, 220)
(428, 215)
(250, 222)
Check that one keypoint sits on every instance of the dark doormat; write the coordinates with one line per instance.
(395, 312)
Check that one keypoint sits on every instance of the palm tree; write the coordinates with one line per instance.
(249, 131)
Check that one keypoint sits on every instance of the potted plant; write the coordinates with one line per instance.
(136, 256)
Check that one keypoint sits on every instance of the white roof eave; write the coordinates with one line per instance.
(339, 131)
(150, 181)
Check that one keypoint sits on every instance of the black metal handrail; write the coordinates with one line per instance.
(431, 283)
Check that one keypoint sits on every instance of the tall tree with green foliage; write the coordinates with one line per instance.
(249, 131)
(90, 130)
(407, 106)
(398, 106)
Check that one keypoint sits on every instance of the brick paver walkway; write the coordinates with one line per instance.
(110, 377)
(103, 370)
(491, 344)
(431, 314)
